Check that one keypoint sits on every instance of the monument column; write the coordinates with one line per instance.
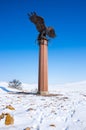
(44, 33)
(43, 67)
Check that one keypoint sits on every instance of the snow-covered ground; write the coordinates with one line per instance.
(65, 111)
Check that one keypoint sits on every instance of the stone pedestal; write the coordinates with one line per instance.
(43, 67)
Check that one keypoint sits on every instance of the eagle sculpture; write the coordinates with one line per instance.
(40, 25)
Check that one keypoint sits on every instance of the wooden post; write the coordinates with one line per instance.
(43, 67)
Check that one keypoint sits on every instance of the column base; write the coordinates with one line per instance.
(43, 92)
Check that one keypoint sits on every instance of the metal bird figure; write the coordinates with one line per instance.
(41, 27)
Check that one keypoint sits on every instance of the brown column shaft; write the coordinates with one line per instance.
(43, 67)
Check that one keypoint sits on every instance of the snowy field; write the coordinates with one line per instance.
(65, 111)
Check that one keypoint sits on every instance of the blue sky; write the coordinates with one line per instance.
(18, 47)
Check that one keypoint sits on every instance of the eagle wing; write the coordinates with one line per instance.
(38, 21)
(51, 32)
